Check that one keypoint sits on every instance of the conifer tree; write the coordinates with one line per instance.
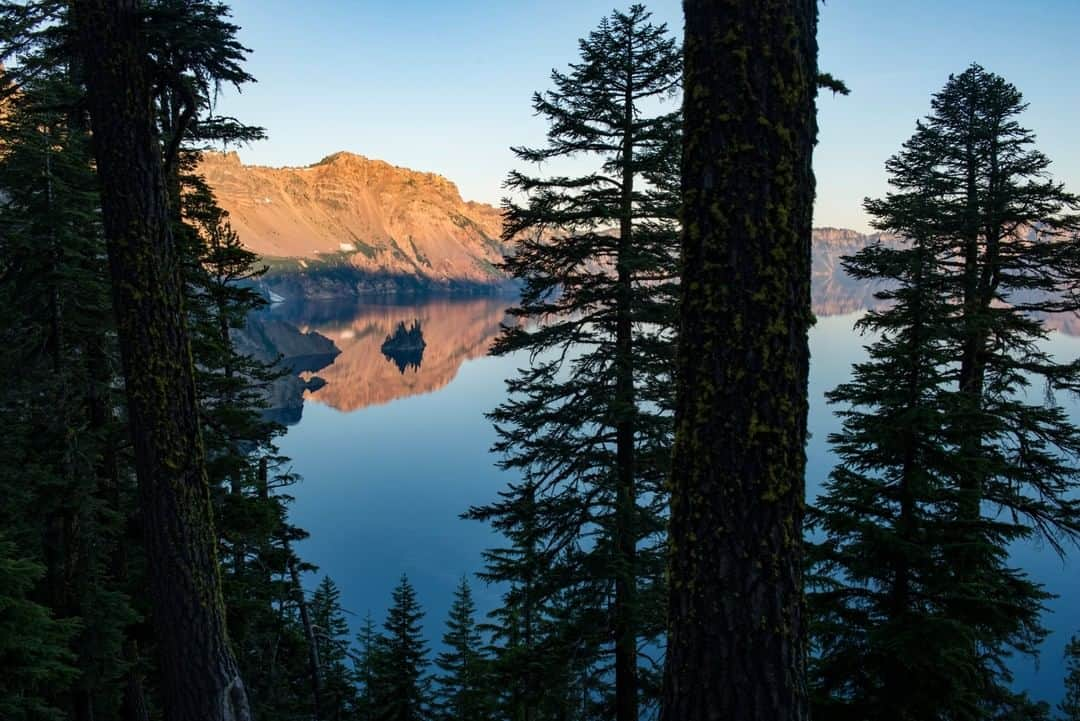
(400, 689)
(885, 646)
(517, 662)
(201, 679)
(588, 422)
(64, 483)
(735, 647)
(332, 631)
(462, 690)
(1013, 232)
(367, 669)
(76, 492)
(917, 607)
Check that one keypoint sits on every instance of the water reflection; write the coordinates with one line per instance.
(384, 487)
(369, 372)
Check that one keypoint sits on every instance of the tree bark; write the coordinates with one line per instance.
(200, 679)
(625, 626)
(309, 635)
(736, 647)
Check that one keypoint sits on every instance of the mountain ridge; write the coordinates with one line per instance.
(348, 226)
(353, 213)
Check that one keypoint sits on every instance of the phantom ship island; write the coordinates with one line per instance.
(405, 346)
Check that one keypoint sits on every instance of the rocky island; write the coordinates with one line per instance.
(405, 346)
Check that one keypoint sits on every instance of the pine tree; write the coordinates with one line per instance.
(462, 691)
(200, 676)
(76, 492)
(588, 422)
(1070, 704)
(945, 462)
(736, 631)
(338, 692)
(367, 669)
(885, 645)
(400, 688)
(1012, 243)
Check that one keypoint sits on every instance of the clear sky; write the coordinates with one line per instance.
(445, 86)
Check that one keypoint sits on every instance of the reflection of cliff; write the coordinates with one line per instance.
(454, 331)
(834, 292)
(268, 340)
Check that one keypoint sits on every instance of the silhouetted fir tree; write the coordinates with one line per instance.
(884, 644)
(332, 631)
(400, 689)
(588, 422)
(462, 690)
(521, 668)
(367, 668)
(1070, 702)
(736, 635)
(917, 606)
(996, 468)
(1013, 258)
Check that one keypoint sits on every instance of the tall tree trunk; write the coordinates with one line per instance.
(736, 647)
(895, 676)
(625, 628)
(972, 360)
(200, 679)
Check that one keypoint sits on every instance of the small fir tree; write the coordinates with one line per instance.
(462, 690)
(367, 669)
(400, 689)
(332, 631)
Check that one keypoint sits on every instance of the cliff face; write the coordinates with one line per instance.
(348, 225)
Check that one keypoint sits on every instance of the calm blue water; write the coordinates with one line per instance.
(389, 461)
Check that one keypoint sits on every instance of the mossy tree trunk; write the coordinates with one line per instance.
(736, 648)
(199, 673)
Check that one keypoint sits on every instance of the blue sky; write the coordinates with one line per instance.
(445, 86)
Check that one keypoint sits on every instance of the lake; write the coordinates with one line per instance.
(391, 455)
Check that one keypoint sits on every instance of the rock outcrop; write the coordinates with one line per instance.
(349, 226)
